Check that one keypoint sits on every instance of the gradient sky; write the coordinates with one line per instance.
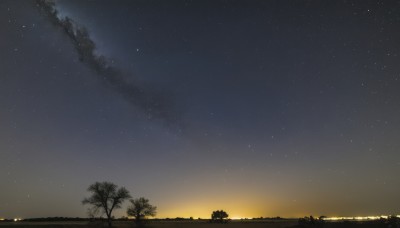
(260, 108)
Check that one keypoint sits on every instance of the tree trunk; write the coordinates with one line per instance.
(109, 220)
(137, 218)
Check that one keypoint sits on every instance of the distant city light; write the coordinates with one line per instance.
(236, 218)
(358, 218)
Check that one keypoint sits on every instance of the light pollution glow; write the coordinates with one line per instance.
(359, 218)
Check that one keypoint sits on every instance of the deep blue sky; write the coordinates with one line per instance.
(261, 108)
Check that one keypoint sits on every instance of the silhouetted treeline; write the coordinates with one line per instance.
(263, 218)
(6, 220)
(51, 219)
(175, 219)
(65, 219)
(311, 222)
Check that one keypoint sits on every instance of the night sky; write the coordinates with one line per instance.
(260, 108)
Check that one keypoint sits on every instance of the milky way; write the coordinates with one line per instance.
(156, 104)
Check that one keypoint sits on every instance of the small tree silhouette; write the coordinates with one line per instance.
(141, 208)
(311, 221)
(219, 216)
(107, 197)
(393, 221)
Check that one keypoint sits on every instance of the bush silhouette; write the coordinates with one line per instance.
(311, 221)
(219, 216)
(393, 221)
(141, 208)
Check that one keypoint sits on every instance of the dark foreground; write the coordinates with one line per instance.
(285, 223)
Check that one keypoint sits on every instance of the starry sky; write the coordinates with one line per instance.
(260, 108)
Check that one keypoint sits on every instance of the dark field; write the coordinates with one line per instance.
(191, 224)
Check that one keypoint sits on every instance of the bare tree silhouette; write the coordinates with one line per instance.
(141, 208)
(107, 197)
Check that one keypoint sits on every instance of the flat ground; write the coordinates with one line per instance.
(185, 224)
(155, 224)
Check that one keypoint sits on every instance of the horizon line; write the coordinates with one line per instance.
(328, 218)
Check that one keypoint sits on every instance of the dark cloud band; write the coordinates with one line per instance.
(155, 104)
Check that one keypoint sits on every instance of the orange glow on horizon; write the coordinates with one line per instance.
(204, 212)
